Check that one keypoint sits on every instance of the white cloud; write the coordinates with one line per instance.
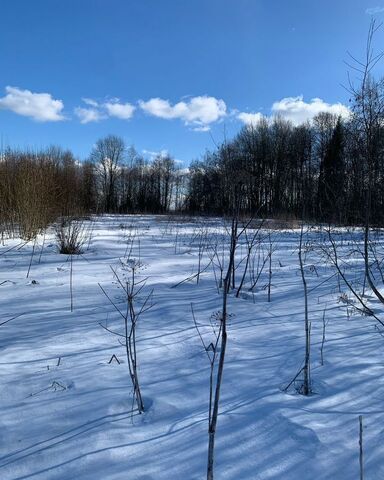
(374, 10)
(119, 110)
(90, 101)
(153, 154)
(197, 111)
(250, 118)
(39, 106)
(88, 115)
(202, 128)
(100, 111)
(296, 110)
(299, 111)
(158, 108)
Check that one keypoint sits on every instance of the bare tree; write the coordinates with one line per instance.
(107, 155)
(368, 118)
(216, 385)
(216, 350)
(251, 242)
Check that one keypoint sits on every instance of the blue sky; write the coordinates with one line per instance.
(174, 75)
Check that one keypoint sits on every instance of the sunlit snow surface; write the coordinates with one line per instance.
(75, 421)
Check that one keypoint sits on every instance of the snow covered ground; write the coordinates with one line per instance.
(66, 413)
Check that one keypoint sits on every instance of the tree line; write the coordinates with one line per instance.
(318, 170)
(38, 187)
(328, 170)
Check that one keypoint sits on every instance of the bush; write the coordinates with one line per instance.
(71, 235)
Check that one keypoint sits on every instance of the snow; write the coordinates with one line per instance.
(66, 413)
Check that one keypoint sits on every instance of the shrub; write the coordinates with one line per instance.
(71, 235)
